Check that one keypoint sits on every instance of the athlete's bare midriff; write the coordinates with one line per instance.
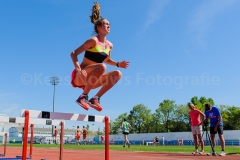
(86, 62)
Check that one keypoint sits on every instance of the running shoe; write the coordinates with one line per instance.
(95, 103)
(222, 153)
(202, 152)
(83, 102)
(195, 152)
(211, 153)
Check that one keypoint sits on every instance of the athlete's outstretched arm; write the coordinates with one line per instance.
(108, 60)
(123, 64)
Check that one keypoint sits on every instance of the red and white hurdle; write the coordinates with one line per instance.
(32, 121)
(63, 116)
(5, 144)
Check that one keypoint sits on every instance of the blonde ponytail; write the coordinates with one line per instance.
(96, 19)
(95, 13)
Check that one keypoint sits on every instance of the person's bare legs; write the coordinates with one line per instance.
(86, 78)
(92, 79)
(195, 141)
(222, 141)
(126, 140)
(201, 142)
(55, 139)
(107, 81)
(94, 72)
(95, 78)
(213, 140)
(195, 138)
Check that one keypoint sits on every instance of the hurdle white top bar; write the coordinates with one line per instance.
(31, 121)
(63, 116)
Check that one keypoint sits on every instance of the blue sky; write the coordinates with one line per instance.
(177, 49)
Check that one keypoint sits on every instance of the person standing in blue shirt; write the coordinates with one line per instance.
(216, 126)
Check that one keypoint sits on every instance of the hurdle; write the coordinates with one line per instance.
(5, 145)
(67, 116)
(21, 120)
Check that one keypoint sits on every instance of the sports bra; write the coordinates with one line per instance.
(97, 54)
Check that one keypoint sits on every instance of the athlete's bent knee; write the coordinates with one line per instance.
(117, 74)
(101, 67)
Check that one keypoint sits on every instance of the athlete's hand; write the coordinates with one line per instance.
(215, 129)
(81, 72)
(123, 64)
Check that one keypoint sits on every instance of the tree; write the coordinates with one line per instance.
(181, 119)
(148, 120)
(99, 132)
(87, 127)
(170, 117)
(194, 100)
(166, 112)
(115, 126)
(140, 118)
(156, 125)
(200, 103)
(230, 115)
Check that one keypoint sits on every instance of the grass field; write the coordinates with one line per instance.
(165, 149)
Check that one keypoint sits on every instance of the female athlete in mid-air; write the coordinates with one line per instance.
(90, 73)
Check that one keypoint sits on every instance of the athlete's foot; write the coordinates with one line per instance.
(124, 146)
(83, 102)
(95, 103)
(211, 153)
(202, 152)
(195, 152)
(222, 153)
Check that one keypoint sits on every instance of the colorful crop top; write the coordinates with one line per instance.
(97, 54)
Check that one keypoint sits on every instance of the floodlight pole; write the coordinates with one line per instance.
(54, 81)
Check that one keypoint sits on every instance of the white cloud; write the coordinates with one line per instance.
(10, 109)
(5, 94)
(153, 15)
(154, 12)
(204, 16)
